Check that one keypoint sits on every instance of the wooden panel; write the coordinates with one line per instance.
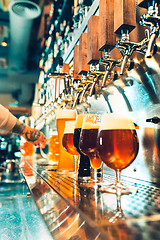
(93, 53)
(83, 67)
(75, 62)
(65, 68)
(107, 38)
(124, 15)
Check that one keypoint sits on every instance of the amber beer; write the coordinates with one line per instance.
(84, 165)
(67, 140)
(53, 147)
(117, 142)
(66, 159)
(27, 148)
(88, 146)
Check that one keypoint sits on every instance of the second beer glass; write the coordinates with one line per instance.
(66, 162)
(67, 142)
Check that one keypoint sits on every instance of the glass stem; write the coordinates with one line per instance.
(95, 175)
(118, 202)
(118, 179)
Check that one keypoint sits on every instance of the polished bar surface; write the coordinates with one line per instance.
(73, 211)
(19, 215)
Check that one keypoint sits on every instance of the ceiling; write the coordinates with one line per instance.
(23, 27)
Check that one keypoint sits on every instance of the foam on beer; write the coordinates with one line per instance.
(69, 126)
(113, 121)
(90, 122)
(65, 113)
(79, 121)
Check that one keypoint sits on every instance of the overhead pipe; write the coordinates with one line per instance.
(21, 13)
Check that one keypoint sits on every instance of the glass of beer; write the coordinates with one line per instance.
(84, 162)
(53, 146)
(88, 141)
(67, 142)
(117, 145)
(27, 148)
(66, 162)
(52, 154)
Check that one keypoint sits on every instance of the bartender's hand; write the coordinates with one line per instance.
(30, 134)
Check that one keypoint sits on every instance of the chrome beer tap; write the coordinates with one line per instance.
(127, 48)
(152, 20)
(78, 90)
(96, 76)
(86, 81)
(95, 81)
(110, 64)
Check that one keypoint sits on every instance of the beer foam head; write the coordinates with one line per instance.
(90, 122)
(65, 113)
(113, 121)
(69, 126)
(79, 121)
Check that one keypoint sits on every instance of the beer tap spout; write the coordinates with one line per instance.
(110, 64)
(84, 92)
(95, 81)
(77, 98)
(151, 45)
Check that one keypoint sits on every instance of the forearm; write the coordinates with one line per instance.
(19, 128)
(7, 119)
(30, 134)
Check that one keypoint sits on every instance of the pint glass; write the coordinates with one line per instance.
(66, 161)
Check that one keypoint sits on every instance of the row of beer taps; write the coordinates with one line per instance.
(105, 73)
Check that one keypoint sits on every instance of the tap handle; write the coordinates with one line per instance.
(155, 120)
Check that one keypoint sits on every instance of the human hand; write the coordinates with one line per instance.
(35, 136)
(32, 135)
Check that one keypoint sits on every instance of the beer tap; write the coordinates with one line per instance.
(110, 64)
(86, 81)
(152, 20)
(79, 91)
(127, 48)
(96, 79)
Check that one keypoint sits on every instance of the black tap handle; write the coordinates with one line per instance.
(153, 120)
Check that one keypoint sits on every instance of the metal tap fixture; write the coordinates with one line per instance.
(86, 81)
(127, 48)
(79, 91)
(95, 81)
(110, 64)
(152, 20)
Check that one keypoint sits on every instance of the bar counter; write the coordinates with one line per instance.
(73, 211)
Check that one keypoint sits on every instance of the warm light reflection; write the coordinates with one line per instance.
(153, 64)
(117, 101)
(4, 43)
